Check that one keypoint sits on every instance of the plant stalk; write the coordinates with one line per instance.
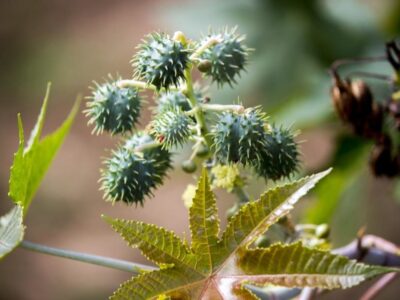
(140, 85)
(112, 263)
(198, 113)
(147, 146)
(211, 42)
(222, 107)
(241, 194)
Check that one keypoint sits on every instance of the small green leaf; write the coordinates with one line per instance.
(11, 230)
(298, 266)
(30, 164)
(18, 180)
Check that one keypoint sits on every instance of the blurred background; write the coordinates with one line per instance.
(71, 43)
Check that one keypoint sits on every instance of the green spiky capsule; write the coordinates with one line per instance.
(252, 143)
(131, 176)
(281, 156)
(226, 59)
(172, 99)
(128, 177)
(161, 61)
(239, 137)
(171, 128)
(113, 109)
(161, 157)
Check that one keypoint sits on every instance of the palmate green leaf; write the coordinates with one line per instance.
(219, 268)
(31, 162)
(11, 230)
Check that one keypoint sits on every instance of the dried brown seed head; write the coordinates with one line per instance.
(381, 161)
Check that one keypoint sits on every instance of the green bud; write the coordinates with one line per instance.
(189, 166)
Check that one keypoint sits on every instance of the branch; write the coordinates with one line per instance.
(371, 249)
(198, 114)
(147, 146)
(211, 42)
(241, 194)
(88, 258)
(222, 107)
(124, 83)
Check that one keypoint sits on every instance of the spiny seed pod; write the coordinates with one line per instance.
(113, 109)
(161, 61)
(252, 141)
(128, 177)
(171, 128)
(239, 137)
(160, 157)
(280, 158)
(172, 99)
(131, 175)
(226, 59)
(226, 135)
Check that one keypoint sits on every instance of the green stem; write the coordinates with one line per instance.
(198, 113)
(243, 197)
(147, 146)
(211, 42)
(135, 84)
(88, 258)
(222, 107)
(140, 85)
